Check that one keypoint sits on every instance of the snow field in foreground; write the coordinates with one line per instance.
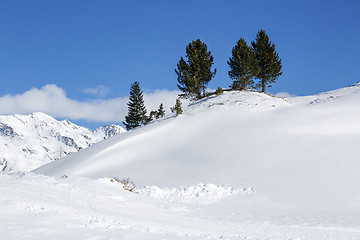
(38, 207)
(199, 193)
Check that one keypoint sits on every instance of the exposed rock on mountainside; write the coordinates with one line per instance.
(29, 141)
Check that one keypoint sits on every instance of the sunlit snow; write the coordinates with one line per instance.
(242, 165)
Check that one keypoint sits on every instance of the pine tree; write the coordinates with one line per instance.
(136, 108)
(153, 114)
(268, 60)
(219, 91)
(177, 109)
(195, 73)
(243, 65)
(160, 111)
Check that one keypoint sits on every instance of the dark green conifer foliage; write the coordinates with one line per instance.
(243, 65)
(219, 91)
(136, 108)
(195, 73)
(177, 109)
(268, 60)
(160, 111)
(153, 114)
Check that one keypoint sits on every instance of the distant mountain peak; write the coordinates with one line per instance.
(109, 130)
(29, 141)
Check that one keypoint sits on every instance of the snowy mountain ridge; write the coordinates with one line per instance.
(29, 141)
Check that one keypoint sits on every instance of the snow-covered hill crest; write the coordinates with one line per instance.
(29, 141)
(239, 139)
(242, 165)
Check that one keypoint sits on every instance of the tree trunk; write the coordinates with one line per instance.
(263, 86)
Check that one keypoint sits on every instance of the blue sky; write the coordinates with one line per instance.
(89, 52)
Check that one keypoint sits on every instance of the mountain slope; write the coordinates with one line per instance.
(30, 141)
(295, 153)
(238, 166)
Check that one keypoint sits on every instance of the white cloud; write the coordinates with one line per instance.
(285, 94)
(52, 100)
(99, 91)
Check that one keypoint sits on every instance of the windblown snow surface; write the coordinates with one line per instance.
(242, 165)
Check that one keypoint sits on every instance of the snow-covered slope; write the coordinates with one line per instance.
(243, 165)
(30, 141)
(291, 151)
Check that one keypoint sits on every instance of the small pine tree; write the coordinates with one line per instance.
(147, 119)
(195, 73)
(219, 91)
(161, 111)
(153, 114)
(268, 60)
(244, 66)
(136, 108)
(177, 109)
